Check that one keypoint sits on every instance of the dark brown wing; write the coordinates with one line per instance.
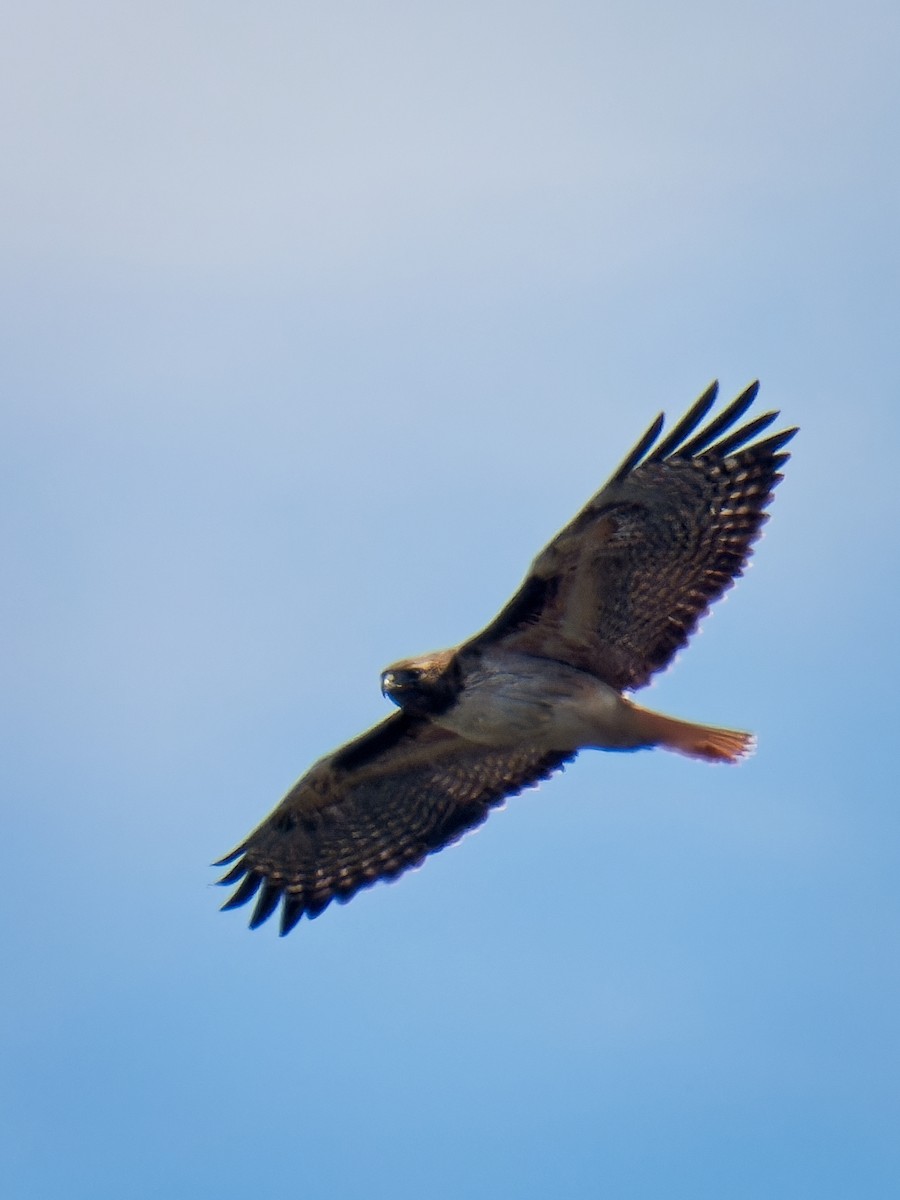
(369, 811)
(623, 586)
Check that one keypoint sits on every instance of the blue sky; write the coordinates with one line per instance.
(318, 321)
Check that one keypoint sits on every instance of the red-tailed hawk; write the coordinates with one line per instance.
(605, 605)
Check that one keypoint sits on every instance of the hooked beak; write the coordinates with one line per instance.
(394, 682)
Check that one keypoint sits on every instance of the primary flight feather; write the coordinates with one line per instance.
(605, 605)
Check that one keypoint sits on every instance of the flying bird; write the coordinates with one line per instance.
(605, 605)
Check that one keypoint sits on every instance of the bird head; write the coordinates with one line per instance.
(423, 686)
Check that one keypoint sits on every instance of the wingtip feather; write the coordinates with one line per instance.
(246, 891)
(229, 858)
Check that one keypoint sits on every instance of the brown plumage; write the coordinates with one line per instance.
(605, 605)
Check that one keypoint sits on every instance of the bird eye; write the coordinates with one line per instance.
(403, 685)
(398, 679)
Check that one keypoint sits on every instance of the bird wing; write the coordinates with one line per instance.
(371, 810)
(622, 587)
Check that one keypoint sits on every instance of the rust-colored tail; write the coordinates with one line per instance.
(697, 741)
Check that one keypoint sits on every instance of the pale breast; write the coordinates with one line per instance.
(509, 698)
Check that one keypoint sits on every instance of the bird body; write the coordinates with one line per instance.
(607, 603)
(505, 697)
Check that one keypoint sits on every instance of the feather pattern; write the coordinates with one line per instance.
(351, 820)
(625, 583)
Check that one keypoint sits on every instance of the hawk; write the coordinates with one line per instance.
(605, 605)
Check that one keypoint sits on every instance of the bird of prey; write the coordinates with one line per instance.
(605, 605)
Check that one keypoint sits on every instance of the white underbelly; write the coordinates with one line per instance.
(511, 699)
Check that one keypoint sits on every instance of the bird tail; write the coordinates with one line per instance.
(696, 741)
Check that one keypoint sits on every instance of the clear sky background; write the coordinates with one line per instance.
(318, 321)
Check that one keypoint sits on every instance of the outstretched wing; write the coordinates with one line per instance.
(371, 810)
(623, 586)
